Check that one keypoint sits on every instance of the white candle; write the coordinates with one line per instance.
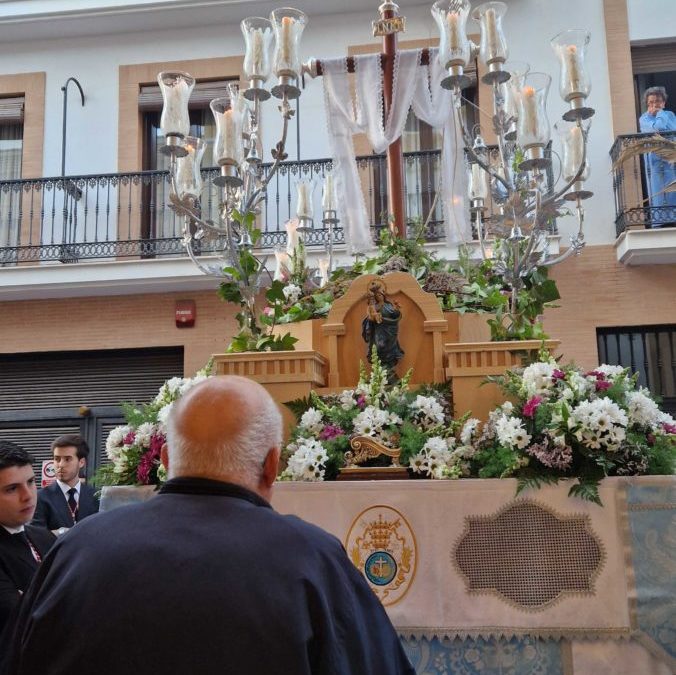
(303, 209)
(328, 196)
(291, 235)
(323, 265)
(230, 139)
(574, 150)
(454, 41)
(529, 111)
(288, 46)
(492, 39)
(282, 265)
(574, 67)
(175, 117)
(257, 52)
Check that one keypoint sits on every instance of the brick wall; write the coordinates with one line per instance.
(596, 291)
(115, 322)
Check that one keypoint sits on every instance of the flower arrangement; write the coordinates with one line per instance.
(567, 423)
(563, 423)
(134, 448)
(418, 422)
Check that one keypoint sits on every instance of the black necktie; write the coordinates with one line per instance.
(21, 536)
(72, 504)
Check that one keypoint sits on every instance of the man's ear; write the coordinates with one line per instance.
(270, 468)
(164, 456)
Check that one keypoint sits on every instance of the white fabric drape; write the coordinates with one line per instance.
(414, 85)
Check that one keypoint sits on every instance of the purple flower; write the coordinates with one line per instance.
(558, 375)
(531, 406)
(129, 438)
(651, 439)
(145, 466)
(602, 385)
(556, 457)
(669, 428)
(330, 431)
(361, 401)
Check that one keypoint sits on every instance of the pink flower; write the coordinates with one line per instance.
(669, 428)
(129, 438)
(269, 311)
(531, 406)
(330, 431)
(595, 373)
(558, 375)
(361, 401)
(156, 443)
(602, 385)
(651, 439)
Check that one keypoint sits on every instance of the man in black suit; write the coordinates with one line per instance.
(67, 500)
(206, 577)
(22, 546)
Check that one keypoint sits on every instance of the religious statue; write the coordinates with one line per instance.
(381, 327)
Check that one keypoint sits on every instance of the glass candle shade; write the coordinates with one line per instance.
(292, 235)
(329, 193)
(288, 25)
(572, 146)
(304, 207)
(532, 129)
(176, 88)
(571, 46)
(188, 169)
(258, 45)
(451, 19)
(510, 89)
(493, 46)
(228, 146)
(477, 182)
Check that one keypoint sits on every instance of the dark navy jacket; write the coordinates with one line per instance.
(204, 578)
(52, 511)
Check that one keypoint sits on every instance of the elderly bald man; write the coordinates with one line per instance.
(206, 577)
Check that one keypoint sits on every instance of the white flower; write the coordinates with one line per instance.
(537, 378)
(308, 462)
(641, 408)
(115, 439)
(292, 293)
(163, 414)
(311, 420)
(347, 401)
(609, 371)
(144, 433)
(190, 382)
(511, 433)
(428, 411)
(579, 385)
(370, 421)
(469, 430)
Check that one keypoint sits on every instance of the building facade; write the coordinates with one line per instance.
(91, 265)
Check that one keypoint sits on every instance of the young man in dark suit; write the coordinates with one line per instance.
(67, 500)
(22, 546)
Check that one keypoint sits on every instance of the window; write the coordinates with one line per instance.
(158, 221)
(11, 148)
(648, 350)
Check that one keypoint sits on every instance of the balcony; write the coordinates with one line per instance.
(645, 225)
(115, 234)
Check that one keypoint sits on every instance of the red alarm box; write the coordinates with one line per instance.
(185, 313)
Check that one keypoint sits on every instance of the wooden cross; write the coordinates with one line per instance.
(389, 24)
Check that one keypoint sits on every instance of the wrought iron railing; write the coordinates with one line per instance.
(126, 215)
(638, 202)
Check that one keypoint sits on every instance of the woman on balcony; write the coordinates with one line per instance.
(660, 172)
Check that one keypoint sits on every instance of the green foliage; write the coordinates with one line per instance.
(662, 456)
(298, 406)
(499, 462)
(587, 489)
(528, 480)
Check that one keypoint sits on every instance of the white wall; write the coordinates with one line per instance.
(92, 130)
(651, 20)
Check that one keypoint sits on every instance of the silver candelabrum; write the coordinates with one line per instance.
(525, 205)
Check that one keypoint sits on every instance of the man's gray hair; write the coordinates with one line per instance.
(240, 456)
(655, 91)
